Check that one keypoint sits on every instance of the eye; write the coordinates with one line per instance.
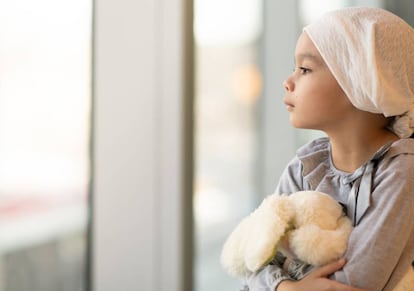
(304, 70)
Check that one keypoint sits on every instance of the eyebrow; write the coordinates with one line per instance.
(310, 56)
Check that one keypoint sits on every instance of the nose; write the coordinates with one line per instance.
(288, 85)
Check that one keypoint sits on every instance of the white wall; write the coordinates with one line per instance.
(139, 181)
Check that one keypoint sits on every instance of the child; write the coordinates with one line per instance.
(354, 80)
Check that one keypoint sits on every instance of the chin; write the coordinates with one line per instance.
(298, 125)
(302, 125)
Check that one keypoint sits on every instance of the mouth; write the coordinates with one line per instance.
(289, 106)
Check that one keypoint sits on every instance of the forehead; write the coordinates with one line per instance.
(305, 49)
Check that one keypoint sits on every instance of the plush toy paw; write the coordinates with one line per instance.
(321, 230)
(318, 246)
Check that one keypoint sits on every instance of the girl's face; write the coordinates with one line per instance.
(313, 97)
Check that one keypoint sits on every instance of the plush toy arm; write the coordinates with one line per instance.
(253, 243)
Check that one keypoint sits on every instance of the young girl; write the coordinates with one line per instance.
(354, 80)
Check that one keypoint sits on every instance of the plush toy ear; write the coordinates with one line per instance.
(253, 243)
(317, 246)
(269, 223)
(232, 255)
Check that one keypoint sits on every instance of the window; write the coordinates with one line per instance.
(242, 136)
(229, 85)
(45, 96)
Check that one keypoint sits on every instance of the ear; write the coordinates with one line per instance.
(268, 225)
(317, 246)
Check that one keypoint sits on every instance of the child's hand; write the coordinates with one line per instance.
(318, 280)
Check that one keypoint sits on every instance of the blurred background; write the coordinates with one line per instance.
(45, 105)
(134, 135)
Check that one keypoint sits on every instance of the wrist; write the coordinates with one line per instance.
(285, 285)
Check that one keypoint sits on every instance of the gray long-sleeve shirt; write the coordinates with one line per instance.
(379, 198)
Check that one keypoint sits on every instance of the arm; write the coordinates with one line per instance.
(381, 247)
(318, 280)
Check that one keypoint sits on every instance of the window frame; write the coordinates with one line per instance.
(142, 146)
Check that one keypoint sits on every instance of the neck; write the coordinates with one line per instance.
(351, 152)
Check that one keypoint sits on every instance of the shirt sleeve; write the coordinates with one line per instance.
(381, 247)
(269, 277)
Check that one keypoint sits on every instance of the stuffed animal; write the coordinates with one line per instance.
(307, 225)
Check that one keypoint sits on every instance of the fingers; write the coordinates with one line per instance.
(328, 269)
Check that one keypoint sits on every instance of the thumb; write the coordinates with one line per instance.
(328, 269)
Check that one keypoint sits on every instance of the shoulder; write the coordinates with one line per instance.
(307, 168)
(400, 156)
(395, 172)
(310, 155)
(313, 147)
(314, 154)
(403, 146)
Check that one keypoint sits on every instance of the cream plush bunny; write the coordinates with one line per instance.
(310, 223)
(307, 225)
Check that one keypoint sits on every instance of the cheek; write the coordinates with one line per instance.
(314, 98)
(338, 100)
(330, 96)
(320, 103)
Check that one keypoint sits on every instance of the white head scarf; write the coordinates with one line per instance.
(370, 52)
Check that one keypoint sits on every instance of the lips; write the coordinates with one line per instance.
(289, 106)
